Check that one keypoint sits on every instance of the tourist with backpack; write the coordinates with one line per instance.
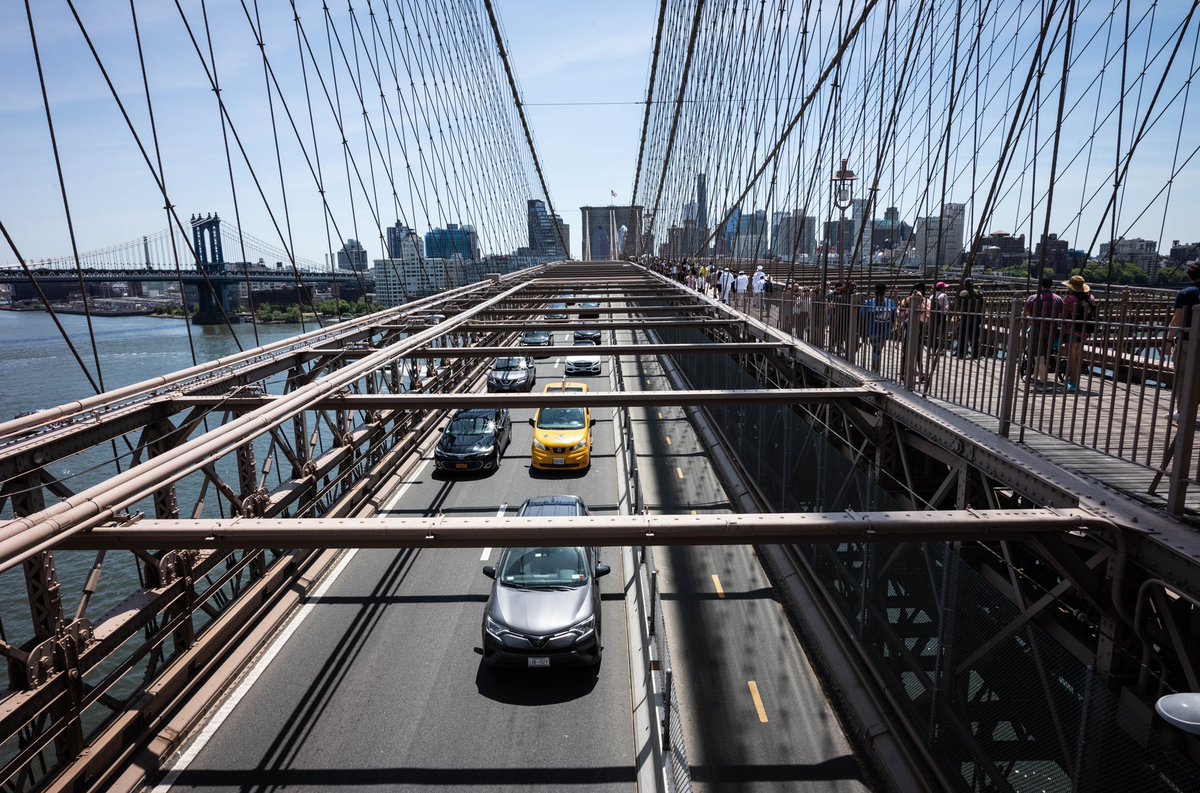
(877, 316)
(1045, 310)
(970, 304)
(1079, 323)
(915, 305)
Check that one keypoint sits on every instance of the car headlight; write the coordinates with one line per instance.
(539, 445)
(495, 629)
(484, 449)
(580, 445)
(583, 628)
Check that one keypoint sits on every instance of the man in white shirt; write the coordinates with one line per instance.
(726, 283)
(757, 282)
(741, 287)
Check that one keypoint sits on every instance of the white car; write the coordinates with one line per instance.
(583, 362)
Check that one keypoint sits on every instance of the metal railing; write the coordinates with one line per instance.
(1117, 392)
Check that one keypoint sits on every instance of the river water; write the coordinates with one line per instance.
(37, 371)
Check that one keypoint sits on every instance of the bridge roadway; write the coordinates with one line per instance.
(382, 685)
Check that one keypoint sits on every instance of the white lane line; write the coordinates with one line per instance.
(487, 552)
(557, 361)
(260, 666)
(227, 707)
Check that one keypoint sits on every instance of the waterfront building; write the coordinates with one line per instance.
(548, 235)
(1138, 252)
(938, 239)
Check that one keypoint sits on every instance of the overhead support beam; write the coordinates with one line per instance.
(564, 324)
(596, 349)
(591, 399)
(595, 530)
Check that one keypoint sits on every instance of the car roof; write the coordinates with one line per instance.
(471, 412)
(552, 506)
(580, 387)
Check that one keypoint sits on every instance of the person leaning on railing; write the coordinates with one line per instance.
(1186, 300)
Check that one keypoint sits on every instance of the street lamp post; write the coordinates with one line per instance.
(843, 197)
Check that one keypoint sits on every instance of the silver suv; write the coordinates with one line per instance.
(544, 608)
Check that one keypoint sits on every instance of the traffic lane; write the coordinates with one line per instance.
(383, 685)
(756, 717)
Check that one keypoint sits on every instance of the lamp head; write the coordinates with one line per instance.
(1181, 710)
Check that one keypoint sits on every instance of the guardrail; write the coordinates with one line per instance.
(1117, 389)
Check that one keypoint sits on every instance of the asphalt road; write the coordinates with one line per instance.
(382, 684)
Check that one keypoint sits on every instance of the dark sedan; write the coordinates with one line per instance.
(544, 608)
(512, 374)
(589, 310)
(537, 338)
(587, 334)
(556, 311)
(474, 440)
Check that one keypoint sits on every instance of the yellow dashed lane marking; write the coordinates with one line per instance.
(668, 440)
(679, 472)
(758, 704)
(717, 585)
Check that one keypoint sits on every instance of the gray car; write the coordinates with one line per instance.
(544, 608)
(512, 374)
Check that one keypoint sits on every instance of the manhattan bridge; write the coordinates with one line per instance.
(845, 549)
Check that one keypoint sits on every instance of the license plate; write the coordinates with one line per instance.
(539, 660)
(460, 465)
(560, 460)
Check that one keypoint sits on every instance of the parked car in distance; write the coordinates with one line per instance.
(474, 440)
(587, 334)
(584, 361)
(567, 297)
(544, 607)
(556, 311)
(589, 310)
(562, 438)
(537, 338)
(517, 373)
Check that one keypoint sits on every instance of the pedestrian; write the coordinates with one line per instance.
(913, 312)
(1079, 323)
(1187, 301)
(939, 318)
(727, 280)
(1044, 310)
(756, 285)
(741, 287)
(878, 316)
(802, 307)
(970, 305)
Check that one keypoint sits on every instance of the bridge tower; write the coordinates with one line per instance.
(214, 293)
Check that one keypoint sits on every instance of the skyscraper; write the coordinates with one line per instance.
(939, 238)
(454, 240)
(352, 256)
(544, 238)
(702, 203)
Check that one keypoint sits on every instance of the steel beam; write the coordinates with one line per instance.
(566, 324)
(615, 530)
(592, 399)
(597, 349)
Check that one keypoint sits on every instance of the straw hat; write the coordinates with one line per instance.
(1076, 284)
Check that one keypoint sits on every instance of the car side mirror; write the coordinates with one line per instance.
(602, 570)
(593, 423)
(531, 422)
(489, 571)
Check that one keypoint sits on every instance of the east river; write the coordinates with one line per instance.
(37, 371)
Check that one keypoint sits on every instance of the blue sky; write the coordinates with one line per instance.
(562, 51)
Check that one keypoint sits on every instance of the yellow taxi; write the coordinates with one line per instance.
(562, 436)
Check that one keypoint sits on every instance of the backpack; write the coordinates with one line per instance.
(1086, 314)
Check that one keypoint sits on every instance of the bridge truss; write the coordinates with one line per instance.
(1000, 611)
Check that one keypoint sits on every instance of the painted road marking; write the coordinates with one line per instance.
(660, 414)
(557, 361)
(679, 472)
(720, 589)
(487, 552)
(758, 704)
(668, 440)
(693, 512)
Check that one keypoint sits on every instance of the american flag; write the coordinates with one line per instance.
(613, 192)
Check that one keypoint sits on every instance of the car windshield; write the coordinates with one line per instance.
(543, 568)
(560, 418)
(471, 425)
(537, 336)
(509, 364)
(584, 343)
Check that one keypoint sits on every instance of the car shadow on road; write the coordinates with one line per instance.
(537, 687)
